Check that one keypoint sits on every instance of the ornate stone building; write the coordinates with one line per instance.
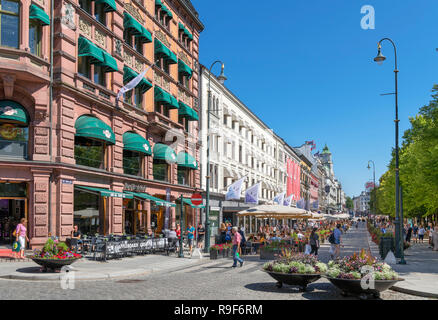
(70, 153)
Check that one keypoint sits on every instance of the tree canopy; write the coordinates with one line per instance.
(418, 167)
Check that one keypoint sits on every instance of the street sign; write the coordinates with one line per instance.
(196, 199)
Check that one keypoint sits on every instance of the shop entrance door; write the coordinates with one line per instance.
(11, 211)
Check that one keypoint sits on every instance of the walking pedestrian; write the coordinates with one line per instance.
(21, 237)
(338, 237)
(314, 242)
(421, 233)
(415, 233)
(201, 233)
(190, 236)
(236, 247)
(409, 234)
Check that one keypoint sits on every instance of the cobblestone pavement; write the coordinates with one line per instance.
(213, 280)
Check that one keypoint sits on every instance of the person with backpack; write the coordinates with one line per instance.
(332, 242)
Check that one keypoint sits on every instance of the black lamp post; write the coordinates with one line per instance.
(398, 224)
(221, 79)
(374, 181)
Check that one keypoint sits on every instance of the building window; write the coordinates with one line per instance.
(84, 67)
(162, 109)
(13, 141)
(85, 5)
(90, 153)
(184, 176)
(184, 122)
(9, 23)
(132, 163)
(35, 32)
(99, 75)
(99, 13)
(135, 97)
(162, 64)
(88, 213)
(184, 80)
(161, 170)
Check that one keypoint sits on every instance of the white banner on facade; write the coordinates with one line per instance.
(280, 198)
(235, 190)
(252, 194)
(133, 83)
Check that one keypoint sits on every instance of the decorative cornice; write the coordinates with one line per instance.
(133, 11)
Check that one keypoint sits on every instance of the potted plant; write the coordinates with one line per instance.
(295, 269)
(272, 250)
(216, 250)
(350, 273)
(54, 255)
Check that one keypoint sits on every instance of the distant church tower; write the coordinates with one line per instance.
(326, 158)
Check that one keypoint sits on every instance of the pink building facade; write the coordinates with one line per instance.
(69, 153)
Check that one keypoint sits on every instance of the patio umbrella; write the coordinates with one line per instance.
(276, 212)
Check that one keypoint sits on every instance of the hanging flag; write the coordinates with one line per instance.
(300, 203)
(288, 200)
(252, 194)
(235, 190)
(280, 198)
(132, 84)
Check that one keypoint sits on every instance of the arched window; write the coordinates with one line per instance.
(9, 23)
(91, 139)
(14, 131)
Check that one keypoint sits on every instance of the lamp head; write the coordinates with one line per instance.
(380, 57)
(222, 76)
(368, 166)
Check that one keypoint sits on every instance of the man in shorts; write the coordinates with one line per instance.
(337, 233)
(190, 236)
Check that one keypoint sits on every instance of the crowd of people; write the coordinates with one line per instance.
(412, 232)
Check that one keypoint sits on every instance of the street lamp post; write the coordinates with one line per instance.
(374, 181)
(398, 224)
(221, 79)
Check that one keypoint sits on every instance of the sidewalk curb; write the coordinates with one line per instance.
(414, 292)
(104, 276)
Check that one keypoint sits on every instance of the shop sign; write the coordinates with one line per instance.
(128, 246)
(67, 181)
(135, 187)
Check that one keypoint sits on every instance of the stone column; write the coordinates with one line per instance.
(64, 205)
(39, 207)
(148, 216)
(115, 211)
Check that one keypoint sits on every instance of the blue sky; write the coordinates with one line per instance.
(311, 63)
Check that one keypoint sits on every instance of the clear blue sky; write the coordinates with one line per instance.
(311, 63)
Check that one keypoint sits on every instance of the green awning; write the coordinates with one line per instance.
(187, 112)
(36, 13)
(167, 11)
(93, 128)
(164, 152)
(185, 31)
(109, 63)
(162, 51)
(109, 5)
(158, 201)
(158, 3)
(137, 29)
(165, 98)
(188, 34)
(135, 142)
(89, 49)
(13, 112)
(185, 69)
(129, 74)
(107, 192)
(189, 202)
(187, 161)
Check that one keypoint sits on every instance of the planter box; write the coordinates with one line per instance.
(213, 255)
(269, 254)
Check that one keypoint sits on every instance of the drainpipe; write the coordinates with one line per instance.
(52, 14)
